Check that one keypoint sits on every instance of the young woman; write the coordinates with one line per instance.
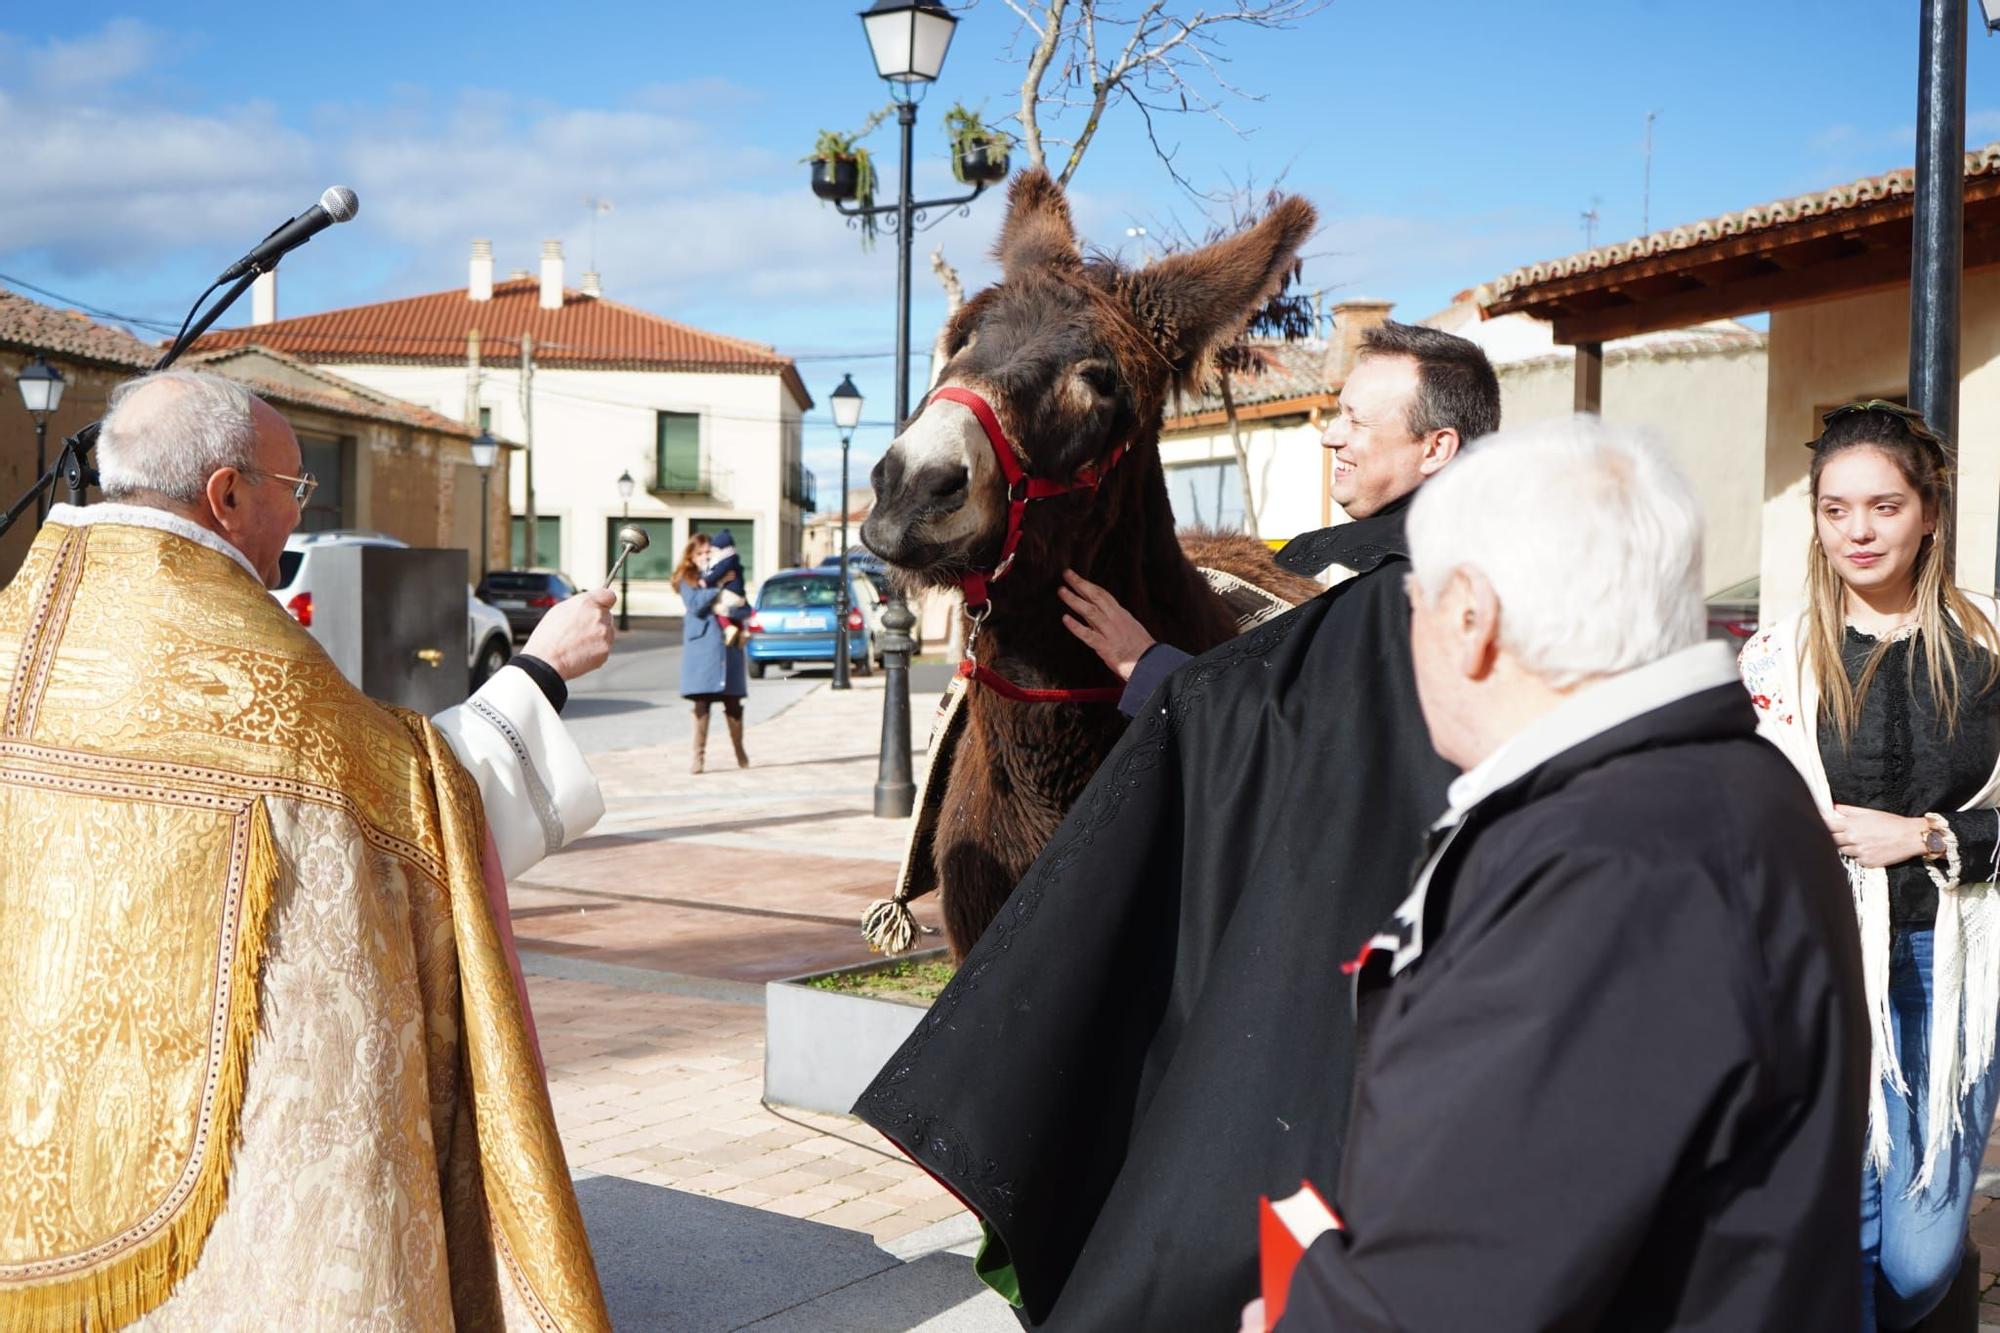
(1882, 692)
(712, 671)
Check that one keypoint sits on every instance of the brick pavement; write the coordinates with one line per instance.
(694, 890)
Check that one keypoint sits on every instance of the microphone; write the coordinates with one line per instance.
(338, 204)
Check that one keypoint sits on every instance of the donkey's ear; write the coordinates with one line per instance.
(1038, 231)
(1192, 303)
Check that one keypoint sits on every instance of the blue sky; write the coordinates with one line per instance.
(1444, 141)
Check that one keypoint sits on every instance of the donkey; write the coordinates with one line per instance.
(1038, 451)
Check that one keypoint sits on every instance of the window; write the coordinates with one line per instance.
(326, 459)
(1208, 495)
(486, 418)
(657, 561)
(745, 533)
(677, 443)
(799, 594)
(548, 542)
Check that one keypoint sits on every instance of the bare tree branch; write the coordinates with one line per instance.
(1051, 35)
(1163, 61)
(954, 298)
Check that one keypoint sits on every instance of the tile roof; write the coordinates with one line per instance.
(35, 327)
(324, 391)
(1294, 370)
(1890, 185)
(73, 336)
(587, 332)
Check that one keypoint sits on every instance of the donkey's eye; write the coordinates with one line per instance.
(1102, 380)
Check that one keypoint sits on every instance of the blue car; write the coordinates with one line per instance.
(794, 620)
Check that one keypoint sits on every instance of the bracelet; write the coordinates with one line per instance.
(1948, 877)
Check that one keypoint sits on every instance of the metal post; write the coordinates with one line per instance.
(529, 552)
(41, 466)
(625, 576)
(485, 522)
(840, 650)
(895, 789)
(1936, 259)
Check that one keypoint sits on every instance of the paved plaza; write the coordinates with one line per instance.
(647, 945)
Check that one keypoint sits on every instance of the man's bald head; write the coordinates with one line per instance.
(166, 433)
(208, 449)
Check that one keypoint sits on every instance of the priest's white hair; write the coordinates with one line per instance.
(168, 432)
(1589, 535)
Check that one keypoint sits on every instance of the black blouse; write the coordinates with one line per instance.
(1900, 760)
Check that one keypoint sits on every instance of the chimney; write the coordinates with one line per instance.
(593, 283)
(479, 286)
(264, 297)
(552, 275)
(519, 275)
(1351, 321)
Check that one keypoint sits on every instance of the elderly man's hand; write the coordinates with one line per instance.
(575, 636)
(1107, 627)
(1253, 1317)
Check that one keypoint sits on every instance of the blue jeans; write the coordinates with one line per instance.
(1910, 1246)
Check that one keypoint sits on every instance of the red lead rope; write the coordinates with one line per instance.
(1007, 689)
(1021, 488)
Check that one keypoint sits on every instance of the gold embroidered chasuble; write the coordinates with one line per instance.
(263, 1062)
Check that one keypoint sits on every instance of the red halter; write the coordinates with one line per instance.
(1021, 488)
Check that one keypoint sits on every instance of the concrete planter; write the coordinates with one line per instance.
(822, 1047)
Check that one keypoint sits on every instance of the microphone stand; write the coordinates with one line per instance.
(73, 463)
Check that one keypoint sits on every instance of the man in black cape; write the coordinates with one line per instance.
(1157, 1028)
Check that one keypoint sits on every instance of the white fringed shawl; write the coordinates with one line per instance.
(1965, 945)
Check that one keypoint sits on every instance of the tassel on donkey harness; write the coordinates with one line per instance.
(888, 925)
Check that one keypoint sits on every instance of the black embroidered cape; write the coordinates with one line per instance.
(1156, 1029)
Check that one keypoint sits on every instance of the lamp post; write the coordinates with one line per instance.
(846, 403)
(908, 39)
(625, 569)
(41, 392)
(484, 450)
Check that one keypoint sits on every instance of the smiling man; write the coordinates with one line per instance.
(1415, 397)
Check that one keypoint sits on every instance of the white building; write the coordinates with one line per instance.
(1699, 390)
(707, 426)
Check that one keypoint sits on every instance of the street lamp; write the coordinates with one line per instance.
(41, 392)
(485, 449)
(846, 403)
(625, 567)
(908, 39)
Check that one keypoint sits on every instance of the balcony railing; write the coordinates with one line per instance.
(705, 481)
(801, 487)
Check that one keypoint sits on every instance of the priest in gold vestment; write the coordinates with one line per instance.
(264, 1062)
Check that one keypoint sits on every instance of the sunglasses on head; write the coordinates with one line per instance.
(1912, 419)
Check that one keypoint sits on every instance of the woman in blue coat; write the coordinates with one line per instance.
(712, 672)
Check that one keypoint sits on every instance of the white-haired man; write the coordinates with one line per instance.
(264, 1049)
(1615, 1050)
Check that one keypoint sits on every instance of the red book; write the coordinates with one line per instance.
(1287, 1230)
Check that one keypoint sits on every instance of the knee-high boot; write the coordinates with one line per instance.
(700, 736)
(735, 721)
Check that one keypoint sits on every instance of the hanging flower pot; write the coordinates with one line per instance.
(983, 163)
(979, 152)
(835, 178)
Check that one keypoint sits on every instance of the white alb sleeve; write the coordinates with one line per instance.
(539, 793)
